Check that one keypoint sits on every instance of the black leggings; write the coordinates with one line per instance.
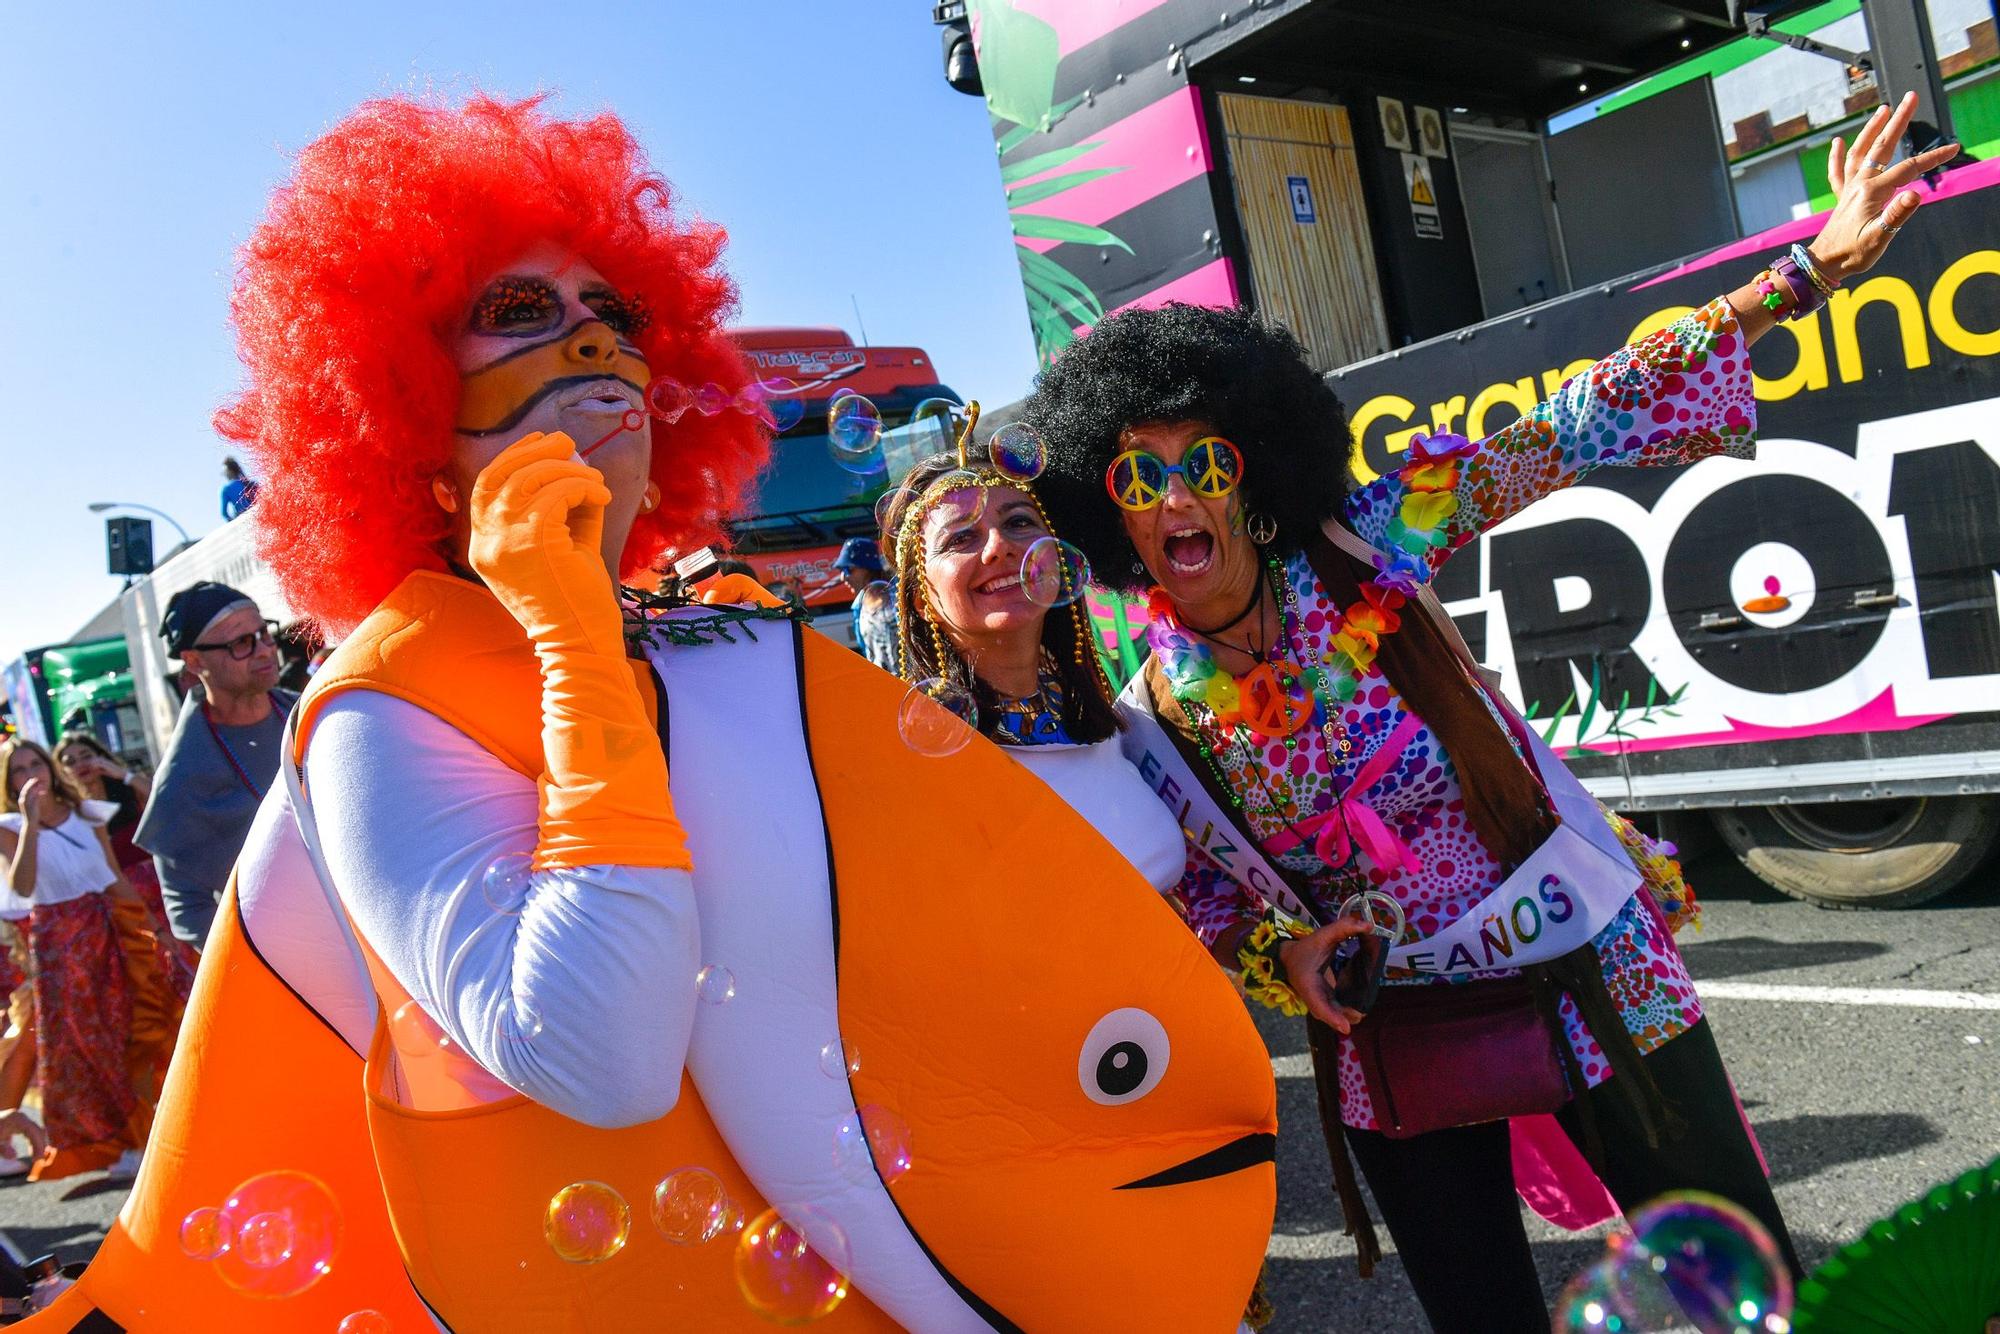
(1448, 1196)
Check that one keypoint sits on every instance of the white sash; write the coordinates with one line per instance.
(1556, 901)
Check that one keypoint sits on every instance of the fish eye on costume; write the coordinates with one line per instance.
(1123, 1058)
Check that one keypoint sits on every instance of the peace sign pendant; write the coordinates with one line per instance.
(1271, 703)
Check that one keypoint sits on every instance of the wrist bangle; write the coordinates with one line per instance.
(1786, 289)
(1814, 274)
(1262, 979)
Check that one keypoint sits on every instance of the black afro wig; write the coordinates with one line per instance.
(1248, 380)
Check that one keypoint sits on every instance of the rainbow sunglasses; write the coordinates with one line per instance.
(1138, 479)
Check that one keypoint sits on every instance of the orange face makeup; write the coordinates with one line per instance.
(499, 394)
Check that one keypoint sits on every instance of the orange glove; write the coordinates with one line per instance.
(537, 518)
(737, 588)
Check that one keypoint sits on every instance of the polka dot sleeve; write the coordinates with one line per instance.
(1675, 396)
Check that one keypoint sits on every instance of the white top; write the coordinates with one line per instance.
(557, 987)
(70, 863)
(1102, 786)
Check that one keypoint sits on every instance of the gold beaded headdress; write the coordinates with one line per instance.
(1011, 468)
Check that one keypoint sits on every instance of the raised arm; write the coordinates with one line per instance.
(1677, 395)
(1674, 396)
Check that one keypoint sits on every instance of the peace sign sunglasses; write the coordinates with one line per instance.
(1138, 479)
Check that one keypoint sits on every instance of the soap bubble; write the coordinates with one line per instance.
(937, 718)
(934, 426)
(505, 881)
(668, 399)
(1606, 1297)
(202, 1237)
(1720, 1265)
(838, 1060)
(415, 1035)
(517, 1023)
(781, 1276)
(364, 1322)
(715, 984)
(962, 498)
(710, 399)
(854, 433)
(283, 1230)
(587, 1222)
(870, 1142)
(1053, 572)
(1018, 452)
(883, 504)
(778, 403)
(265, 1240)
(691, 1206)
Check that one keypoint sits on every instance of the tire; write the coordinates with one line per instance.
(1864, 854)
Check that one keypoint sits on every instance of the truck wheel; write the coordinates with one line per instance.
(1864, 854)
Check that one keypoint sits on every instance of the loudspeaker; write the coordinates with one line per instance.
(129, 545)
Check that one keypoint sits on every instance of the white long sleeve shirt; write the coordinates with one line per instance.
(580, 994)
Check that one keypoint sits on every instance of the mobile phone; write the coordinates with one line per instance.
(1358, 968)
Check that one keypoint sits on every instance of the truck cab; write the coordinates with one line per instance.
(810, 499)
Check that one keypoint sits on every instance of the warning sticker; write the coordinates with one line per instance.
(1423, 197)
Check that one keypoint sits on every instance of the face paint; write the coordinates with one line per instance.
(547, 345)
(590, 357)
(549, 329)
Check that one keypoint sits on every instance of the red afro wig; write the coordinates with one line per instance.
(350, 290)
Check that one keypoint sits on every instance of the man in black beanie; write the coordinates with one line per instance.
(223, 755)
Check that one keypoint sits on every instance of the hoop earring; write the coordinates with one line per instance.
(444, 493)
(1262, 527)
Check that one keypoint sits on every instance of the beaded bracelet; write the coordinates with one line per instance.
(1258, 954)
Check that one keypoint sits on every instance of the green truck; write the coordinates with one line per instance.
(86, 684)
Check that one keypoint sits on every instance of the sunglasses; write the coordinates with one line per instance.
(244, 645)
(1138, 479)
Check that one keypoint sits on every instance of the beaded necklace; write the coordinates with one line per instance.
(229, 753)
(1034, 720)
(1213, 700)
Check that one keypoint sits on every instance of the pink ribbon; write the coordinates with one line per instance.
(1350, 821)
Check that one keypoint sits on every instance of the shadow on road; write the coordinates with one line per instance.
(1720, 877)
(1760, 954)
(100, 1186)
(1799, 1147)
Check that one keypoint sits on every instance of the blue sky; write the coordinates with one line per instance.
(143, 139)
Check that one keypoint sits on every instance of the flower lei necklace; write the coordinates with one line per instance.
(1264, 702)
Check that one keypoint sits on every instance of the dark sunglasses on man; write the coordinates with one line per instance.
(244, 645)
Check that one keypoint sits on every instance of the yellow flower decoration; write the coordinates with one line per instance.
(1358, 646)
(1425, 510)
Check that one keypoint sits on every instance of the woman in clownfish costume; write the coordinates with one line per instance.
(480, 949)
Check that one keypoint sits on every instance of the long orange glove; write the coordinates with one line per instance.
(537, 518)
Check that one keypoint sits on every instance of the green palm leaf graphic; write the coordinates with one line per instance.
(1011, 172)
(1037, 191)
(1036, 227)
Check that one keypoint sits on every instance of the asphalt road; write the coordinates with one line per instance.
(1859, 1106)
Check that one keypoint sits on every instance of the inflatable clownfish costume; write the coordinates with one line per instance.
(1091, 1111)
